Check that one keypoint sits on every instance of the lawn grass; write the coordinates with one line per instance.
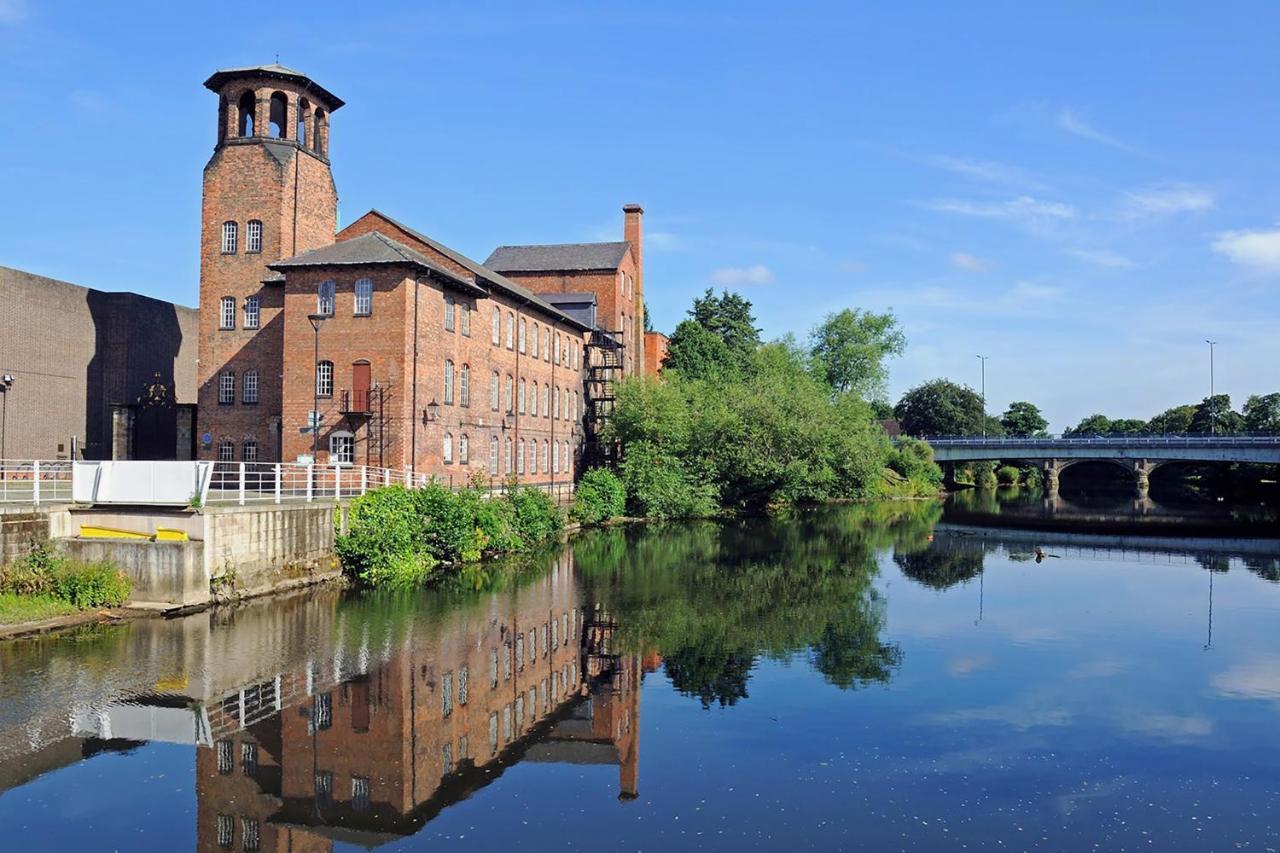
(32, 608)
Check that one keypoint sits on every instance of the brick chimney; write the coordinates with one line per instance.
(632, 214)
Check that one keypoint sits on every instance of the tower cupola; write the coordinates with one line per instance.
(271, 102)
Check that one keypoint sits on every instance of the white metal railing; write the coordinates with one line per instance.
(35, 481)
(1112, 441)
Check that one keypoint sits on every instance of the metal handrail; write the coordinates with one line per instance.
(1107, 440)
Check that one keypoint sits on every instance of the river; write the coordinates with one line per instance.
(894, 676)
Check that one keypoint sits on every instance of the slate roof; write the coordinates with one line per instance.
(561, 256)
(580, 305)
(374, 249)
(277, 71)
(485, 273)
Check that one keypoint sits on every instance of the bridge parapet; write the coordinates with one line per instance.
(1259, 449)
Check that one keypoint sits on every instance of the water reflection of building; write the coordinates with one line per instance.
(324, 754)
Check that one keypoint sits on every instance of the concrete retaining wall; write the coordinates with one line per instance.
(162, 572)
(20, 528)
(257, 548)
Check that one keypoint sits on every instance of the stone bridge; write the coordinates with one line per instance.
(1137, 454)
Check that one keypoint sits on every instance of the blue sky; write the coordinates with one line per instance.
(1084, 192)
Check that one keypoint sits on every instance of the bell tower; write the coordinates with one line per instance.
(268, 194)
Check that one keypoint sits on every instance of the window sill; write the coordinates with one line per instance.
(226, 328)
(251, 328)
(359, 314)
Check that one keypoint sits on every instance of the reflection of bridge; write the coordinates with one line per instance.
(1138, 454)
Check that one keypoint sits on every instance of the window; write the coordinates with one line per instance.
(446, 758)
(511, 330)
(546, 401)
(227, 319)
(250, 835)
(464, 385)
(520, 397)
(342, 448)
(230, 237)
(573, 412)
(564, 465)
(448, 312)
(523, 333)
(252, 312)
(323, 711)
(249, 389)
(533, 400)
(555, 457)
(546, 343)
(493, 455)
(506, 469)
(497, 325)
(226, 388)
(545, 460)
(465, 309)
(249, 759)
(360, 793)
(447, 450)
(463, 677)
(555, 403)
(564, 414)
(555, 352)
(324, 786)
(253, 239)
(446, 693)
(493, 732)
(510, 393)
(493, 391)
(533, 457)
(448, 382)
(324, 298)
(520, 470)
(226, 757)
(364, 298)
(249, 450)
(493, 667)
(324, 379)
(464, 454)
(533, 341)
(226, 450)
(304, 116)
(226, 831)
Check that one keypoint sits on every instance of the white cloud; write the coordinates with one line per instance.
(1030, 291)
(985, 170)
(1259, 248)
(1069, 121)
(1258, 679)
(1103, 258)
(1167, 198)
(967, 262)
(1023, 208)
(661, 240)
(737, 276)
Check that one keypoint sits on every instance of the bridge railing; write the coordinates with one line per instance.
(1108, 441)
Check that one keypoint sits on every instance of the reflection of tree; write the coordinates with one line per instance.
(1267, 568)
(943, 564)
(714, 598)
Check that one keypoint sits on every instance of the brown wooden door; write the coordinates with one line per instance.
(361, 379)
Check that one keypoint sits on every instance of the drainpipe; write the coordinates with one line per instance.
(413, 394)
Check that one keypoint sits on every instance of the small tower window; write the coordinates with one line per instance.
(227, 317)
(321, 143)
(278, 118)
(252, 312)
(253, 239)
(364, 297)
(230, 237)
(325, 298)
(245, 107)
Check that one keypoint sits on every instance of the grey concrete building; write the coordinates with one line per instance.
(101, 375)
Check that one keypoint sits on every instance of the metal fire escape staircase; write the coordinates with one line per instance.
(604, 369)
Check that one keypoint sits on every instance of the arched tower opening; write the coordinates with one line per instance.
(304, 118)
(246, 107)
(278, 117)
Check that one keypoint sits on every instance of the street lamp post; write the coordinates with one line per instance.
(983, 359)
(1213, 406)
(317, 320)
(6, 382)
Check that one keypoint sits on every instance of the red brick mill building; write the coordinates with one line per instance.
(413, 355)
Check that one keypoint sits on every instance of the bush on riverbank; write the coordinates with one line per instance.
(402, 536)
(599, 496)
(47, 574)
(1008, 475)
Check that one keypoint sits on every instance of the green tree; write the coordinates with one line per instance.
(1023, 420)
(849, 349)
(1175, 420)
(1262, 413)
(1102, 425)
(940, 407)
(717, 340)
(1215, 415)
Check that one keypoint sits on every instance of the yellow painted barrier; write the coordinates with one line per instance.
(169, 534)
(94, 531)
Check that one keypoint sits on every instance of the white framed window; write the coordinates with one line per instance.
(364, 298)
(520, 397)
(533, 457)
(226, 388)
(325, 298)
(524, 329)
(546, 401)
(564, 463)
(464, 456)
(449, 318)
(230, 237)
(533, 400)
(545, 460)
(497, 326)
(555, 351)
(342, 448)
(324, 379)
(253, 237)
(493, 391)
(249, 386)
(464, 385)
(227, 316)
(555, 457)
(249, 453)
(447, 449)
(575, 412)
(448, 382)
(533, 341)
(252, 312)
(465, 310)
(520, 470)
(507, 459)
(546, 343)
(511, 330)
(360, 793)
(493, 455)
(508, 398)
(555, 402)
(226, 831)
(226, 450)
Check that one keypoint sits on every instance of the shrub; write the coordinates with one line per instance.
(535, 517)
(913, 459)
(383, 542)
(48, 572)
(599, 497)
(984, 475)
(1007, 475)
(659, 487)
(447, 523)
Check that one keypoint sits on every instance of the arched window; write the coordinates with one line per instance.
(245, 106)
(278, 116)
(511, 330)
(533, 399)
(520, 397)
(249, 386)
(510, 393)
(227, 316)
(448, 382)
(448, 312)
(506, 468)
(325, 298)
(555, 457)
(493, 391)
(555, 351)
(520, 457)
(321, 144)
(226, 450)
(555, 403)
(524, 329)
(493, 455)
(545, 463)
(304, 116)
(249, 450)
(447, 449)
(497, 326)
(573, 413)
(564, 402)
(230, 238)
(533, 456)
(324, 379)
(464, 450)
(226, 388)
(546, 400)
(464, 385)
(222, 119)
(564, 465)
(252, 312)
(364, 297)
(464, 309)
(533, 341)
(253, 239)
(342, 448)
